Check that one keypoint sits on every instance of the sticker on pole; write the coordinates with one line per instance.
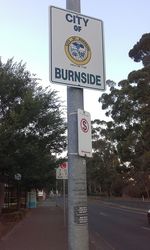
(81, 214)
(84, 133)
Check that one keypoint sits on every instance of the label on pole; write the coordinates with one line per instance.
(76, 50)
(84, 133)
(81, 214)
(62, 171)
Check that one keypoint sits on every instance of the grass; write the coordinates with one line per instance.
(9, 218)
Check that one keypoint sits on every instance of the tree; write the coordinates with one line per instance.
(32, 126)
(141, 50)
(101, 168)
(128, 105)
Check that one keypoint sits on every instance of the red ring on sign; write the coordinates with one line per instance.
(63, 165)
(84, 125)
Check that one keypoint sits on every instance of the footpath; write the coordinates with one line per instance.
(42, 229)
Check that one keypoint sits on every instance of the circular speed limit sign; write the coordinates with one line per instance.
(84, 125)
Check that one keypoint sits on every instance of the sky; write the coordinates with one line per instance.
(24, 35)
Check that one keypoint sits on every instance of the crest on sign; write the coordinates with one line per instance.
(77, 50)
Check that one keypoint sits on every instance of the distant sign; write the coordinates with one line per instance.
(18, 177)
(76, 50)
(84, 133)
(62, 171)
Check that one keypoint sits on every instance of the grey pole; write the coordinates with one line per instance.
(64, 191)
(77, 189)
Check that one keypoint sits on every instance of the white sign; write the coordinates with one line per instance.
(18, 177)
(76, 50)
(84, 133)
(62, 171)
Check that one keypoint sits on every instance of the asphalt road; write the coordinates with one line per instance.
(114, 226)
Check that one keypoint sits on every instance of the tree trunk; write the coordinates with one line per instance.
(94, 186)
(2, 195)
(100, 189)
(90, 188)
(147, 192)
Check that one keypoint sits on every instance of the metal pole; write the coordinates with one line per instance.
(77, 190)
(56, 193)
(64, 191)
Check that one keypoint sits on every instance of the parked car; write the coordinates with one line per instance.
(148, 216)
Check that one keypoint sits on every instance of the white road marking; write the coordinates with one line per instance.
(146, 228)
(106, 243)
(103, 214)
(126, 209)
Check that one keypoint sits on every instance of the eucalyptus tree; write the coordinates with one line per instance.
(128, 105)
(141, 50)
(101, 168)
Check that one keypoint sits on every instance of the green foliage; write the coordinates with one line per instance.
(31, 125)
(128, 105)
(141, 50)
(101, 169)
(121, 147)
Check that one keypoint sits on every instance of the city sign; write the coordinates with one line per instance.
(76, 50)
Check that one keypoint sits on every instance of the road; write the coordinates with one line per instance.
(113, 226)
